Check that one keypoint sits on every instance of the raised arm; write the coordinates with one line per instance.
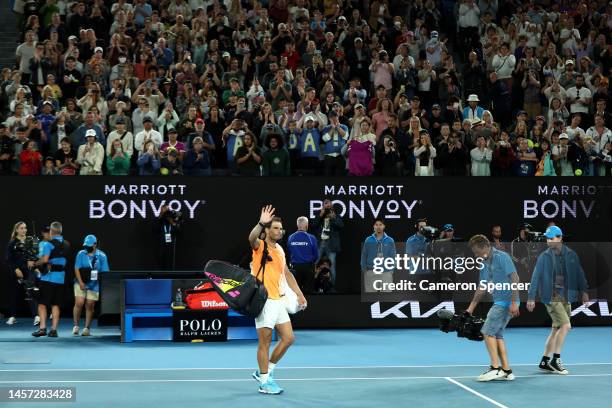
(267, 213)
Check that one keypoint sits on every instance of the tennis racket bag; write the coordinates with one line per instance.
(204, 297)
(237, 287)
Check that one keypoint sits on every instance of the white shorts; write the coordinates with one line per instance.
(273, 313)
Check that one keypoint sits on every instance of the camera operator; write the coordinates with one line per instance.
(519, 248)
(498, 268)
(167, 228)
(445, 247)
(327, 226)
(20, 271)
(322, 277)
(496, 238)
(304, 252)
(90, 261)
(417, 244)
(53, 258)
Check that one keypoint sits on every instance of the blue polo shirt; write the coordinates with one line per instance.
(497, 269)
(45, 249)
(303, 247)
(97, 261)
(374, 248)
(416, 245)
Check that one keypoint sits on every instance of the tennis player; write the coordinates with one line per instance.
(274, 314)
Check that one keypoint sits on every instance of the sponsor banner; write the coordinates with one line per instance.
(348, 311)
(205, 325)
(219, 213)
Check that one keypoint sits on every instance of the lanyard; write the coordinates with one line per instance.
(92, 265)
(167, 229)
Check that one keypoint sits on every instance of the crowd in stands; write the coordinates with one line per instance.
(309, 87)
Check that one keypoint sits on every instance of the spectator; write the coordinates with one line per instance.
(473, 111)
(197, 160)
(80, 135)
(360, 152)
(171, 163)
(30, 160)
(147, 134)
(481, 157)
(149, 159)
(90, 155)
(276, 160)
(424, 153)
(66, 158)
(248, 157)
(48, 168)
(118, 160)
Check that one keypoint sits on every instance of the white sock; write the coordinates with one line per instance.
(271, 367)
(263, 378)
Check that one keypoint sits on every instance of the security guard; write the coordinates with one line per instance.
(90, 261)
(52, 260)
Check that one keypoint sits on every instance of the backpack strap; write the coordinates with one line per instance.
(264, 258)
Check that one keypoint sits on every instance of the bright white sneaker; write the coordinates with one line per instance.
(85, 332)
(506, 376)
(36, 321)
(491, 374)
(11, 321)
(75, 330)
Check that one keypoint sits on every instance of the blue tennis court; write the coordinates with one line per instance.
(356, 368)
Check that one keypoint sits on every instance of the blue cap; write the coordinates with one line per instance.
(90, 240)
(553, 231)
(448, 227)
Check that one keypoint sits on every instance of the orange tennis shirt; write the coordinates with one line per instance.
(274, 268)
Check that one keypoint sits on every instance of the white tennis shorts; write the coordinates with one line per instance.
(273, 313)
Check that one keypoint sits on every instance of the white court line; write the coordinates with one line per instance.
(468, 389)
(282, 368)
(214, 380)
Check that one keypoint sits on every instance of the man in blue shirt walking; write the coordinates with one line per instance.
(304, 252)
(558, 279)
(376, 248)
(498, 268)
(52, 259)
(89, 263)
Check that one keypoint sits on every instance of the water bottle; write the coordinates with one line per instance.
(178, 299)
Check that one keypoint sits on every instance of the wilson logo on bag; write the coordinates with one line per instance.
(205, 297)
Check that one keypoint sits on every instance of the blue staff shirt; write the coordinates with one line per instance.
(303, 247)
(84, 260)
(45, 249)
(497, 269)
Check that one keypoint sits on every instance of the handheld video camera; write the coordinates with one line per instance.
(430, 233)
(464, 324)
(28, 248)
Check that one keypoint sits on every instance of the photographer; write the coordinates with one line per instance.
(20, 271)
(327, 228)
(166, 229)
(90, 261)
(322, 277)
(53, 258)
(498, 268)
(518, 247)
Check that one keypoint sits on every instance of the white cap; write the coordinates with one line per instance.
(563, 136)
(98, 49)
(91, 132)
(569, 61)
